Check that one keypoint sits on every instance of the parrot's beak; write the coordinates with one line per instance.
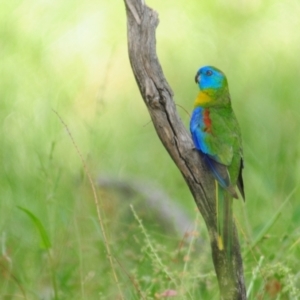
(197, 77)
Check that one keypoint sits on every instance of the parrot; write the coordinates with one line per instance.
(216, 135)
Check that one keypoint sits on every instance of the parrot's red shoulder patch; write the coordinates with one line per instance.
(207, 121)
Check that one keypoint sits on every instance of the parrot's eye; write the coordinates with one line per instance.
(208, 73)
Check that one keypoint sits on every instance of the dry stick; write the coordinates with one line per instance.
(157, 94)
(133, 281)
(97, 203)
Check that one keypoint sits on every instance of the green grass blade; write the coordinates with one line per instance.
(45, 241)
(270, 223)
(254, 276)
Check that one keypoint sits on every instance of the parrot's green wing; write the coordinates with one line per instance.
(224, 144)
(224, 138)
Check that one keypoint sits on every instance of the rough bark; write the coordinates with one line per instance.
(158, 97)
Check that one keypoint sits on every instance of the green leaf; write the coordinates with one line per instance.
(45, 241)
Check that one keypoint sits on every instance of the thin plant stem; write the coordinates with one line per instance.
(97, 204)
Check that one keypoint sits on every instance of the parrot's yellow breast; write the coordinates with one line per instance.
(202, 98)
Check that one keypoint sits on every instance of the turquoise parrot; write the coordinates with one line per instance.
(216, 134)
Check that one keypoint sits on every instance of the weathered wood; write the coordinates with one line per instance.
(157, 94)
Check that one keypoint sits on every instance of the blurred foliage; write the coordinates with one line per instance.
(71, 57)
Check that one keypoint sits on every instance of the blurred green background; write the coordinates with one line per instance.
(71, 57)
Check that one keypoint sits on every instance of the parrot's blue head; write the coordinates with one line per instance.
(209, 77)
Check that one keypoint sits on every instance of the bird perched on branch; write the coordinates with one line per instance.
(216, 134)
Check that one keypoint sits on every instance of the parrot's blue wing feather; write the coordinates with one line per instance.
(198, 135)
(219, 171)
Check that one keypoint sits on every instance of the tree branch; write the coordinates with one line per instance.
(157, 94)
(153, 199)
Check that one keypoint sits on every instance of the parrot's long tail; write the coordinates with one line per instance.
(224, 219)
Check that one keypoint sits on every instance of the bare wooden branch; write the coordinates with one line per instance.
(157, 94)
(168, 212)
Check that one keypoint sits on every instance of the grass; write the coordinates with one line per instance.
(71, 57)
